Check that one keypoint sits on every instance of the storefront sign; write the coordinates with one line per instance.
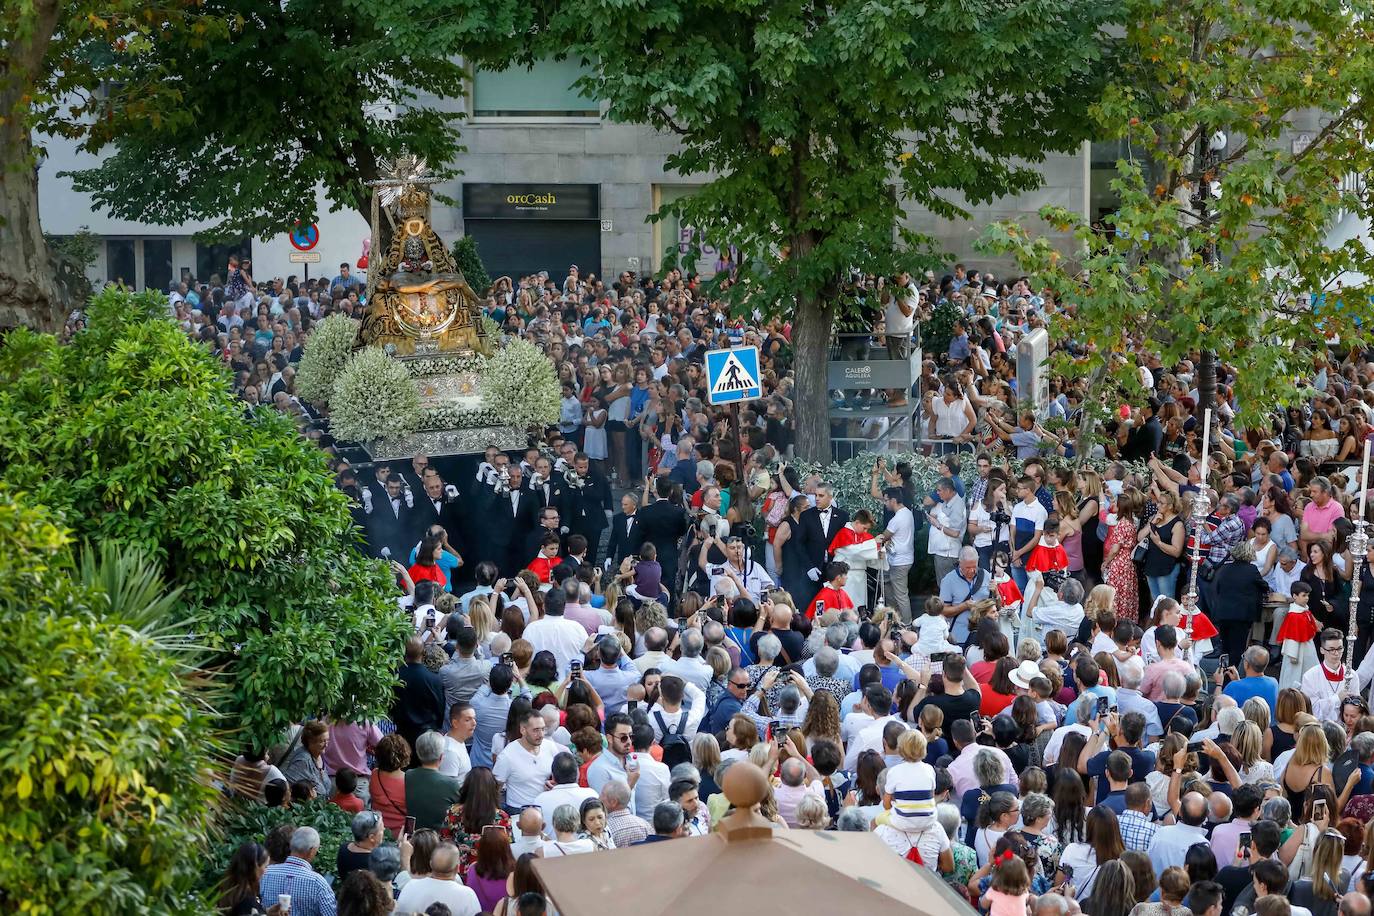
(869, 373)
(531, 201)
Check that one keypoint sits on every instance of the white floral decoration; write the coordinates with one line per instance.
(326, 351)
(374, 397)
(520, 386)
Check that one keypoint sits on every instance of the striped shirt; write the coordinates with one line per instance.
(310, 893)
(912, 787)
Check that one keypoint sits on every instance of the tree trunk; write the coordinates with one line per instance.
(810, 351)
(1088, 421)
(29, 294)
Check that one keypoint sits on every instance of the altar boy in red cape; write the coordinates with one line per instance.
(854, 546)
(832, 597)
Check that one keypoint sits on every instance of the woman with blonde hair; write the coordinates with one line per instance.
(1249, 743)
(1308, 767)
(1088, 485)
(1319, 891)
(931, 721)
(481, 619)
(1101, 600)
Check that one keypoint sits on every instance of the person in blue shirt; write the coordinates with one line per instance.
(958, 343)
(1255, 683)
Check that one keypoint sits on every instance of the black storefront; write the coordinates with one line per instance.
(524, 228)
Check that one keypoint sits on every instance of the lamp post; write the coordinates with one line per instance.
(1359, 544)
(1198, 518)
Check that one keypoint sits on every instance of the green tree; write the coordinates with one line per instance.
(823, 121)
(470, 263)
(290, 98)
(63, 71)
(132, 433)
(1216, 246)
(105, 746)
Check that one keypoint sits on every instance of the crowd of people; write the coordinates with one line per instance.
(609, 620)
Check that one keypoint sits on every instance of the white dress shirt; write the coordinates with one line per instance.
(563, 637)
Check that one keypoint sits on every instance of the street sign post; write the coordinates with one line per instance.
(304, 237)
(733, 377)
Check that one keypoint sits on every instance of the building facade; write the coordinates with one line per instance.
(546, 183)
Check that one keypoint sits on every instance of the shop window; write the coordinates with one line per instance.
(544, 90)
(120, 264)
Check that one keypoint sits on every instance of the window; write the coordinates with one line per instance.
(120, 264)
(544, 90)
(157, 264)
(212, 261)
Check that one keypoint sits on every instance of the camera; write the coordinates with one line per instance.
(745, 531)
(1001, 517)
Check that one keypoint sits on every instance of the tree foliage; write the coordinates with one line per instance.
(1218, 251)
(810, 114)
(470, 263)
(290, 97)
(106, 742)
(133, 434)
(241, 822)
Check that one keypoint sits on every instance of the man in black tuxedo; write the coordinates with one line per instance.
(587, 505)
(664, 525)
(622, 530)
(391, 521)
(441, 505)
(510, 516)
(549, 523)
(819, 525)
(375, 485)
(415, 475)
(548, 486)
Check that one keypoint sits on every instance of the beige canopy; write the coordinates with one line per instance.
(746, 868)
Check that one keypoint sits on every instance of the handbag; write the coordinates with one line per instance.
(1141, 551)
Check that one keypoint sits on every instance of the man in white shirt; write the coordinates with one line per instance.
(948, 522)
(566, 639)
(524, 766)
(899, 542)
(462, 722)
(654, 777)
(1170, 845)
(655, 641)
(747, 575)
(690, 666)
(679, 708)
(899, 319)
(565, 791)
(440, 886)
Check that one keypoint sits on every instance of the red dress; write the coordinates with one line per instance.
(433, 572)
(1120, 572)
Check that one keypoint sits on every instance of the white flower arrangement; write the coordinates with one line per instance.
(374, 397)
(326, 352)
(520, 385)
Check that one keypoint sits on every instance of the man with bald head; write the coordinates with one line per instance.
(440, 886)
(1170, 845)
(780, 625)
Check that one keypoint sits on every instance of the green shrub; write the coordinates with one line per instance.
(470, 263)
(132, 433)
(243, 821)
(938, 331)
(105, 744)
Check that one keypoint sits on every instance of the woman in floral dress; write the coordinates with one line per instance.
(1118, 569)
(478, 808)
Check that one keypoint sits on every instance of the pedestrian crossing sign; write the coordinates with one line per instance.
(733, 375)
